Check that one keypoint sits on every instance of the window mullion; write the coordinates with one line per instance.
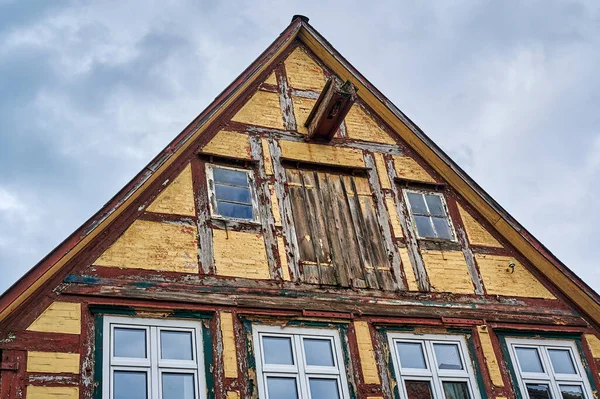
(436, 384)
(429, 217)
(154, 369)
(302, 377)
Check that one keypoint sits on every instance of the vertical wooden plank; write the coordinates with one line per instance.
(265, 211)
(346, 233)
(12, 375)
(383, 219)
(205, 240)
(409, 231)
(358, 222)
(285, 98)
(328, 267)
(285, 208)
(306, 236)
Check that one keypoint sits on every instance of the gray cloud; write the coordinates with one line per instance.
(90, 92)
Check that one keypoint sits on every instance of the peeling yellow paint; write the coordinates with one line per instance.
(52, 362)
(271, 79)
(448, 272)
(239, 254)
(394, 218)
(59, 317)
(384, 179)
(267, 157)
(229, 351)
(285, 271)
(500, 279)
(275, 205)
(594, 344)
(408, 168)
(178, 197)
(229, 144)
(476, 233)
(411, 279)
(40, 392)
(302, 108)
(233, 395)
(154, 246)
(302, 72)
(324, 154)
(490, 356)
(366, 353)
(263, 109)
(360, 126)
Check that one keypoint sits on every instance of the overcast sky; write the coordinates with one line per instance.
(91, 91)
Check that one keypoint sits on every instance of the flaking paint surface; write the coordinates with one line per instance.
(263, 109)
(41, 392)
(229, 144)
(476, 233)
(233, 395)
(302, 72)
(360, 126)
(594, 345)
(59, 317)
(384, 179)
(500, 279)
(447, 271)
(52, 362)
(154, 246)
(411, 279)
(302, 108)
(394, 218)
(285, 271)
(275, 205)
(178, 197)
(229, 350)
(267, 157)
(490, 356)
(239, 254)
(324, 154)
(408, 168)
(366, 353)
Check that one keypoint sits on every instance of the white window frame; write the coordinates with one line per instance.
(548, 377)
(433, 374)
(152, 365)
(405, 193)
(299, 370)
(212, 195)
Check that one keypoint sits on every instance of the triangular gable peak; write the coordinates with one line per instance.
(307, 199)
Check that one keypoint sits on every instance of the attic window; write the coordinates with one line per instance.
(430, 215)
(231, 193)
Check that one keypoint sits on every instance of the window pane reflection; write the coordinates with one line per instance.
(178, 386)
(418, 389)
(130, 385)
(456, 390)
(176, 345)
(321, 388)
(529, 360)
(130, 342)
(538, 391)
(282, 388)
(318, 352)
(411, 355)
(571, 392)
(561, 361)
(448, 356)
(278, 350)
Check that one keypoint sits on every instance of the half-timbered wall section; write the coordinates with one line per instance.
(256, 261)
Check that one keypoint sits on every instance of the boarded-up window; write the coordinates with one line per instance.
(338, 234)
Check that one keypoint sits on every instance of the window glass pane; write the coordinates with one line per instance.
(417, 205)
(130, 385)
(278, 350)
(321, 388)
(411, 355)
(424, 227)
(282, 388)
(228, 176)
(434, 202)
(442, 228)
(571, 392)
(418, 389)
(318, 352)
(230, 193)
(176, 345)
(538, 391)
(129, 342)
(448, 356)
(237, 211)
(456, 390)
(561, 361)
(178, 386)
(529, 360)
